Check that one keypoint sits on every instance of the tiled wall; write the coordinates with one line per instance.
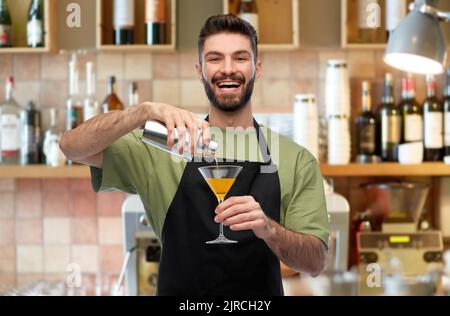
(46, 224)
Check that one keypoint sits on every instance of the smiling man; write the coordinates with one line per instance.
(274, 213)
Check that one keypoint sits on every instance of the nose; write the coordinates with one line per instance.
(228, 66)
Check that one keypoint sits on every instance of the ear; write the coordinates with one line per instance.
(198, 67)
(258, 69)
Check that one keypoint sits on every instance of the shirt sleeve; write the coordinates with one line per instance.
(127, 166)
(307, 212)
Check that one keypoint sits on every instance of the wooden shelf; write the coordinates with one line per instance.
(278, 23)
(105, 28)
(43, 172)
(19, 10)
(427, 169)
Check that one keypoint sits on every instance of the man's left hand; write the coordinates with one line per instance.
(243, 213)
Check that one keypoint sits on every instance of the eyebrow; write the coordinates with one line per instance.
(239, 52)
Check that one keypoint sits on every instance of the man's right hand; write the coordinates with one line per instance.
(181, 120)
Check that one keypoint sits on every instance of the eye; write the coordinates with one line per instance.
(242, 59)
(213, 59)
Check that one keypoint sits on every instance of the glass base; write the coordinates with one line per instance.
(221, 240)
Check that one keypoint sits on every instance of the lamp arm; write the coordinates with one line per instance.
(427, 9)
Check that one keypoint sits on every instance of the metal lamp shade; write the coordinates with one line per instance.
(417, 45)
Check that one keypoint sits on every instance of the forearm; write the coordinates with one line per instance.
(303, 253)
(93, 136)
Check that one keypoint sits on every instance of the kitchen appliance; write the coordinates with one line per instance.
(391, 243)
(142, 249)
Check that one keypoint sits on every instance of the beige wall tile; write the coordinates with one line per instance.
(193, 94)
(27, 91)
(145, 88)
(82, 59)
(188, 60)
(8, 262)
(56, 258)
(27, 67)
(361, 64)
(25, 279)
(167, 91)
(29, 232)
(7, 184)
(110, 230)
(56, 204)
(28, 204)
(165, 66)
(6, 205)
(86, 257)
(257, 95)
(6, 67)
(30, 259)
(111, 258)
(110, 203)
(7, 232)
(110, 64)
(304, 64)
(8, 280)
(84, 230)
(57, 231)
(325, 55)
(29, 184)
(138, 66)
(275, 66)
(55, 66)
(55, 184)
(275, 93)
(303, 86)
(53, 94)
(83, 204)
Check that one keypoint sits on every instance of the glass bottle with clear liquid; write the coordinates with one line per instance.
(91, 105)
(10, 132)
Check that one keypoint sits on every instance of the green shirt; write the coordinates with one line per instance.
(131, 166)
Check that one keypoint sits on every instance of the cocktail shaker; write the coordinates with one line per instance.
(155, 134)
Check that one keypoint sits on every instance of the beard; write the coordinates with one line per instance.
(229, 103)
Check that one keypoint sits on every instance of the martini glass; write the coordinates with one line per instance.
(220, 179)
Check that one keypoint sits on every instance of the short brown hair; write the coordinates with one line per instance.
(227, 23)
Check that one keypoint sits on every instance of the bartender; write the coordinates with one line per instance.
(277, 213)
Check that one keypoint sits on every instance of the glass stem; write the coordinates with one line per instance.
(221, 223)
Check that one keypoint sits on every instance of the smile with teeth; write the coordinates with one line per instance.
(228, 85)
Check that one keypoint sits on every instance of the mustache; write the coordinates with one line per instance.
(236, 77)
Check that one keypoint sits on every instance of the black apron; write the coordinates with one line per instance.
(190, 267)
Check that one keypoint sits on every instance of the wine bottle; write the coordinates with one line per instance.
(366, 125)
(390, 122)
(123, 22)
(412, 120)
(112, 101)
(5, 25)
(155, 21)
(10, 132)
(433, 123)
(447, 113)
(248, 11)
(35, 25)
(91, 105)
(31, 135)
(133, 94)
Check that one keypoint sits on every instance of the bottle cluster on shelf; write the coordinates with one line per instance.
(124, 22)
(35, 32)
(21, 138)
(407, 131)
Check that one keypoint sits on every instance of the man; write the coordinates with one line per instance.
(274, 214)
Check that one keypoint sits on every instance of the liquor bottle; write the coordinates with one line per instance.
(5, 25)
(74, 103)
(31, 135)
(390, 122)
(368, 21)
(412, 120)
(433, 123)
(54, 157)
(35, 25)
(112, 101)
(155, 21)
(133, 94)
(447, 113)
(395, 12)
(91, 105)
(366, 125)
(123, 22)
(10, 133)
(248, 11)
